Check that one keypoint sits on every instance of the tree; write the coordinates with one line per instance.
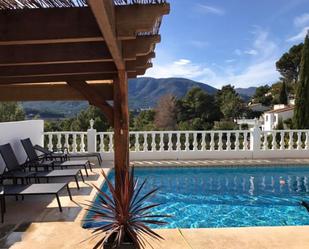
(11, 111)
(283, 96)
(144, 121)
(231, 105)
(80, 122)
(165, 113)
(301, 112)
(197, 110)
(289, 64)
(262, 95)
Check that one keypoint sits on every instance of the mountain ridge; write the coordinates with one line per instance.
(143, 92)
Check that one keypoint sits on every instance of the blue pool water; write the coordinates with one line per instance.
(228, 196)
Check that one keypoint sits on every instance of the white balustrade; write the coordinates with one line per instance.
(235, 143)
(72, 141)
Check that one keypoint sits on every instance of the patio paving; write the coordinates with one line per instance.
(37, 223)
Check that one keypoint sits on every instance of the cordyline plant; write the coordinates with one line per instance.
(123, 214)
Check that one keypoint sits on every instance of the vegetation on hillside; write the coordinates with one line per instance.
(11, 111)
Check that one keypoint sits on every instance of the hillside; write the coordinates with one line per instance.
(143, 93)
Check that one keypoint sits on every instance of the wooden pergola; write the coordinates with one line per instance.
(79, 50)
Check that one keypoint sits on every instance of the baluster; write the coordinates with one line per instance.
(111, 142)
(237, 141)
(178, 143)
(265, 143)
(299, 144)
(194, 141)
(145, 145)
(59, 145)
(307, 141)
(273, 142)
(153, 142)
(161, 142)
(50, 142)
(282, 145)
(66, 142)
(74, 143)
(203, 144)
(82, 142)
(187, 144)
(245, 141)
(228, 141)
(102, 143)
(170, 144)
(291, 142)
(212, 141)
(220, 141)
(136, 142)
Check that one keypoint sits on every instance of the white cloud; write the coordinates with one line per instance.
(179, 68)
(208, 9)
(251, 52)
(260, 68)
(300, 36)
(301, 20)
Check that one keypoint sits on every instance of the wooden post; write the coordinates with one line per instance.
(121, 127)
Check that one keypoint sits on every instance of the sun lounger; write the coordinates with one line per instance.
(29, 148)
(52, 154)
(15, 170)
(32, 189)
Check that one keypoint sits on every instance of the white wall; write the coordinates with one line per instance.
(13, 132)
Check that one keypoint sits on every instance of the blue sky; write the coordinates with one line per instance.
(228, 41)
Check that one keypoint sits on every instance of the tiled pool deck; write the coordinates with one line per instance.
(36, 223)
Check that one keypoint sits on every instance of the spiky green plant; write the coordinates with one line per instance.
(123, 214)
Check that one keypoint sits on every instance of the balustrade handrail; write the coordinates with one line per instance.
(183, 141)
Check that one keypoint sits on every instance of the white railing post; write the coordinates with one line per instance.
(255, 141)
(92, 138)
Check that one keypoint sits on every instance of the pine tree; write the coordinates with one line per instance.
(283, 97)
(301, 113)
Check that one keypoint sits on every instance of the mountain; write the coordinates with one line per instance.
(143, 93)
(250, 91)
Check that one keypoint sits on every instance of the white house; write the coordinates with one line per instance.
(271, 118)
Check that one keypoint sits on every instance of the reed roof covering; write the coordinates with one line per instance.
(21, 4)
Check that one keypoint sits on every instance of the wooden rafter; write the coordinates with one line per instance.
(51, 92)
(60, 78)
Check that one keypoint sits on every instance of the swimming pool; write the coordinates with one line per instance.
(202, 197)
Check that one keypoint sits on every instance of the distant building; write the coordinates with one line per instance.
(258, 107)
(271, 118)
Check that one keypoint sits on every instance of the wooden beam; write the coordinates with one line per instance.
(103, 67)
(104, 13)
(132, 19)
(73, 68)
(69, 53)
(61, 78)
(93, 98)
(142, 45)
(62, 25)
(55, 53)
(51, 92)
